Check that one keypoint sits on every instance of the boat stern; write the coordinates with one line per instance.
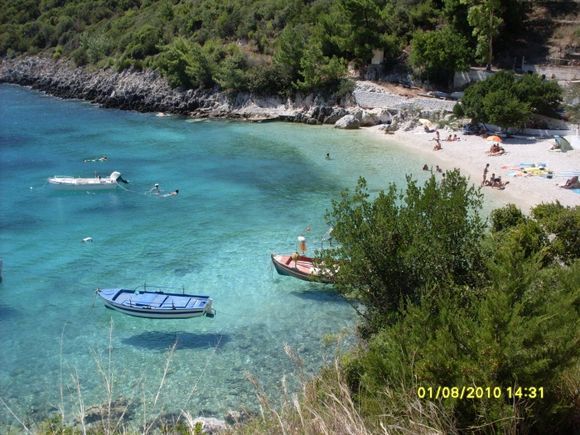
(209, 310)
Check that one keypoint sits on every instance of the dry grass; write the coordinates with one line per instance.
(325, 406)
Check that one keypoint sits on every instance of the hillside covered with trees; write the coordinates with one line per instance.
(264, 46)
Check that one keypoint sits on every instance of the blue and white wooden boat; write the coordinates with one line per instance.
(156, 304)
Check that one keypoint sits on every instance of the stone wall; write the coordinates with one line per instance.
(559, 73)
(369, 95)
(464, 78)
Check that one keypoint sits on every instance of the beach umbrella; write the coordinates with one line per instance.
(563, 144)
(493, 138)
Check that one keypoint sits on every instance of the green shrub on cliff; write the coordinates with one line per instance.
(184, 64)
(317, 70)
(437, 54)
(508, 100)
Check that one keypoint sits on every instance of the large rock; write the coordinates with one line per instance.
(347, 122)
(368, 119)
(210, 425)
(334, 115)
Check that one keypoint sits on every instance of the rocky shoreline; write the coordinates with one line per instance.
(147, 91)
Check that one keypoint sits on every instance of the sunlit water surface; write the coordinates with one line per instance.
(246, 190)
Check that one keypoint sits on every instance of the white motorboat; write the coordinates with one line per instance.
(94, 183)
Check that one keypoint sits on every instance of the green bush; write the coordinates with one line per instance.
(144, 42)
(563, 226)
(506, 217)
(79, 56)
(265, 79)
(394, 246)
(230, 68)
(184, 64)
(317, 70)
(436, 55)
(508, 337)
(546, 211)
(57, 52)
(509, 101)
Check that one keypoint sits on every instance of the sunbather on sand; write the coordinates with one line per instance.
(571, 183)
(496, 183)
(496, 150)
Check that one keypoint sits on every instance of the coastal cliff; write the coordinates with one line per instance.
(148, 91)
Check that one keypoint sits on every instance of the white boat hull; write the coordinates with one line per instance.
(65, 182)
(85, 184)
(152, 314)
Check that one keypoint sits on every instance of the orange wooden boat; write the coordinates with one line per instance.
(301, 267)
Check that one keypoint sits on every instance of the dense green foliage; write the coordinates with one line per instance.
(563, 226)
(509, 101)
(281, 45)
(506, 217)
(459, 306)
(396, 245)
(484, 16)
(439, 53)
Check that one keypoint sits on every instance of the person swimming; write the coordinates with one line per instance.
(155, 190)
(174, 193)
(96, 159)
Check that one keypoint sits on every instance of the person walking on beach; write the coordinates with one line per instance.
(485, 171)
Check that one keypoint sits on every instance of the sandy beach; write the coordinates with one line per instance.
(470, 155)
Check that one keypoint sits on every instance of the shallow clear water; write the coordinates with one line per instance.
(246, 190)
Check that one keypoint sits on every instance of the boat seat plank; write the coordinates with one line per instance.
(150, 299)
(176, 302)
(199, 303)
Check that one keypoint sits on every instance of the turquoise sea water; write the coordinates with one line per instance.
(246, 190)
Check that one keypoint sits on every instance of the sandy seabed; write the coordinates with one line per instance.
(470, 155)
